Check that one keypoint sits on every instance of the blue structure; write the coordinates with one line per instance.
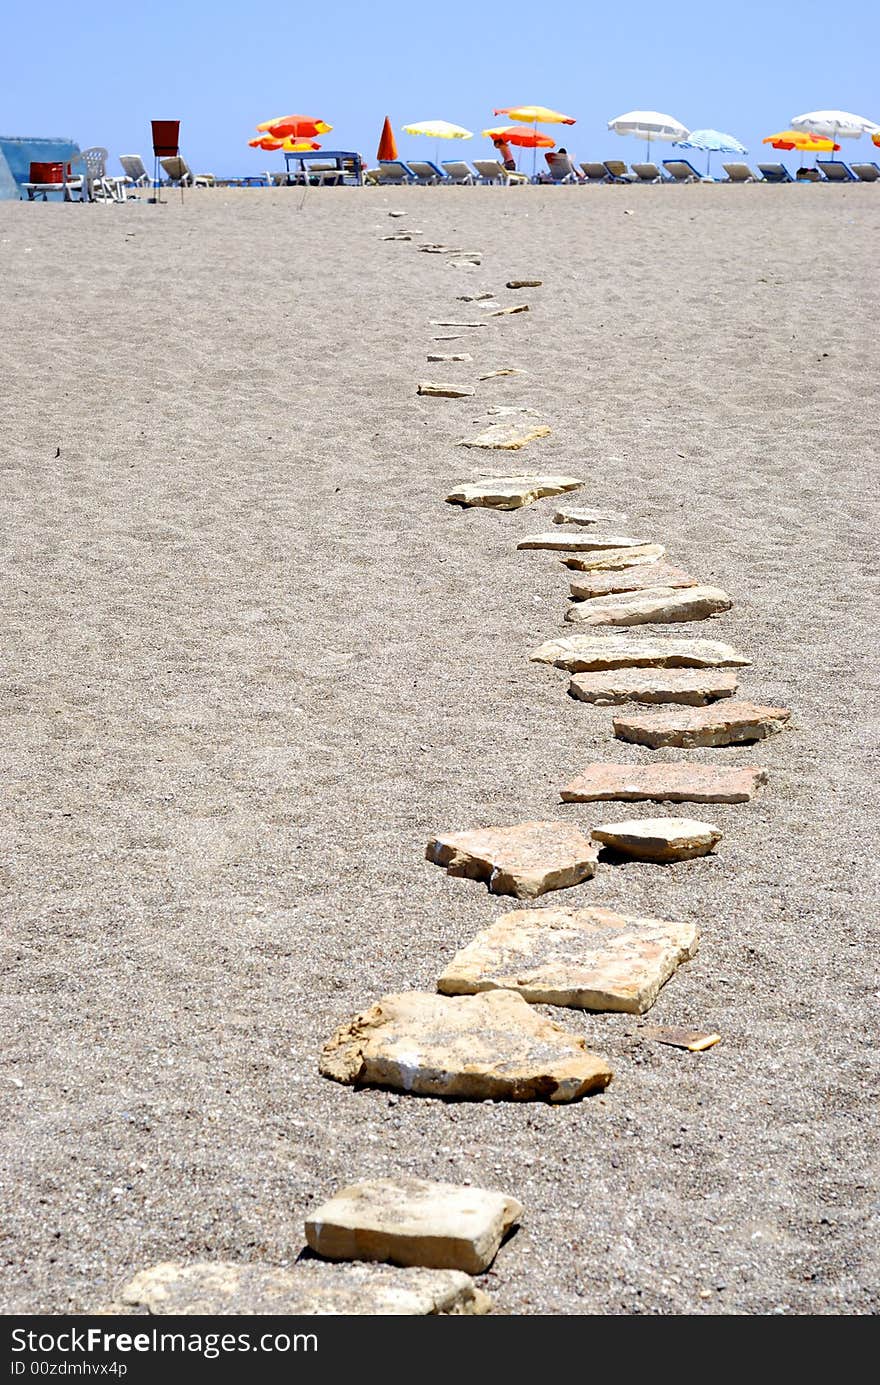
(17, 153)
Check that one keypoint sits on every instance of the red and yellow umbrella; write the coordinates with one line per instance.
(535, 115)
(526, 139)
(294, 127)
(801, 140)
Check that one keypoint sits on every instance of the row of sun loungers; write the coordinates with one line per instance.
(424, 172)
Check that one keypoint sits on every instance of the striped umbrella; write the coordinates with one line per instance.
(713, 141)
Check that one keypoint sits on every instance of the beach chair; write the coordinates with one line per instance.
(560, 169)
(774, 173)
(135, 172)
(457, 171)
(493, 171)
(427, 173)
(395, 171)
(179, 172)
(738, 173)
(866, 173)
(93, 182)
(682, 171)
(648, 173)
(617, 171)
(836, 171)
(595, 173)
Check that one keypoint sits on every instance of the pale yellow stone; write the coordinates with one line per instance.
(444, 391)
(613, 558)
(506, 437)
(525, 860)
(582, 653)
(511, 492)
(654, 606)
(659, 839)
(579, 541)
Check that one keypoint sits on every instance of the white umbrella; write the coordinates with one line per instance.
(835, 125)
(649, 126)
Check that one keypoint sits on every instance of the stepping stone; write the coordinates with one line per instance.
(524, 283)
(506, 437)
(410, 1221)
(659, 839)
(403, 235)
(511, 492)
(508, 370)
(214, 1288)
(474, 297)
(724, 723)
(692, 686)
(679, 782)
(629, 580)
(694, 1040)
(448, 338)
(579, 543)
(526, 860)
(397, 213)
(457, 356)
(508, 312)
(432, 323)
(465, 264)
(492, 1046)
(614, 558)
(438, 391)
(511, 411)
(585, 515)
(432, 248)
(585, 653)
(587, 959)
(653, 606)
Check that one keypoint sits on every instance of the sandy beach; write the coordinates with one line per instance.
(252, 662)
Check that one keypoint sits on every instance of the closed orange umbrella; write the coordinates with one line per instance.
(387, 143)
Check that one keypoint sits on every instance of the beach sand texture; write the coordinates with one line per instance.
(253, 662)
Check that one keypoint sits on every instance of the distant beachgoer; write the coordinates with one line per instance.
(560, 164)
(504, 153)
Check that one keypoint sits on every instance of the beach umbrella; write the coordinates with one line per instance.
(438, 129)
(713, 141)
(535, 116)
(387, 143)
(525, 139)
(295, 127)
(802, 140)
(649, 126)
(835, 125)
(875, 139)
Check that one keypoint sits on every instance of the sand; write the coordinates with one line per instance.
(253, 661)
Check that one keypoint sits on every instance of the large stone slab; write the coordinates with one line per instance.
(506, 437)
(492, 1046)
(588, 584)
(613, 558)
(219, 1288)
(578, 541)
(585, 514)
(587, 959)
(656, 606)
(511, 492)
(686, 685)
(726, 723)
(526, 860)
(670, 782)
(439, 390)
(411, 1221)
(659, 839)
(583, 653)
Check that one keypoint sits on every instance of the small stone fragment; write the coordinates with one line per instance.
(587, 959)
(397, 213)
(659, 839)
(511, 492)
(629, 579)
(694, 687)
(506, 437)
(584, 653)
(614, 558)
(695, 1040)
(526, 860)
(460, 356)
(511, 411)
(508, 312)
(474, 297)
(578, 542)
(443, 391)
(664, 782)
(584, 514)
(432, 323)
(491, 1046)
(724, 723)
(473, 263)
(496, 374)
(653, 606)
(401, 235)
(524, 283)
(446, 337)
(432, 248)
(411, 1221)
(215, 1288)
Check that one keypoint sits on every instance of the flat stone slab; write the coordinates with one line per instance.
(411, 1221)
(584, 514)
(526, 860)
(444, 391)
(524, 283)
(432, 323)
(491, 1046)
(694, 1040)
(508, 370)
(654, 606)
(446, 337)
(726, 723)
(448, 357)
(587, 959)
(511, 492)
(578, 542)
(215, 1288)
(659, 839)
(402, 235)
(509, 311)
(506, 437)
(631, 579)
(694, 687)
(613, 558)
(678, 782)
(474, 297)
(585, 653)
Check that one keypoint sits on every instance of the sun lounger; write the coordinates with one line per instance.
(738, 173)
(595, 173)
(648, 173)
(395, 171)
(457, 171)
(617, 171)
(836, 171)
(682, 171)
(427, 172)
(133, 167)
(774, 173)
(179, 173)
(866, 173)
(493, 171)
(560, 169)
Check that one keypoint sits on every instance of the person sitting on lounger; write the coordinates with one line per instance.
(561, 166)
(504, 154)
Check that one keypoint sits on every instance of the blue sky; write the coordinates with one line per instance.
(98, 71)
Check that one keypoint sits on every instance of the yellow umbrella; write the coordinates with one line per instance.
(801, 139)
(535, 115)
(438, 129)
